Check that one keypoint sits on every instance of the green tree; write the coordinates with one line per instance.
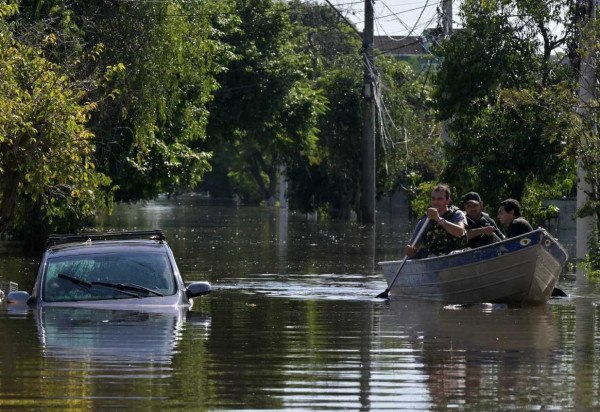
(507, 102)
(411, 149)
(585, 141)
(408, 146)
(331, 181)
(154, 63)
(266, 109)
(47, 172)
(152, 132)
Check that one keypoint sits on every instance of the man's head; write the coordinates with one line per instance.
(509, 210)
(473, 205)
(440, 197)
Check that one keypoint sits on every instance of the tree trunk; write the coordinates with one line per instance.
(8, 201)
(35, 230)
(268, 189)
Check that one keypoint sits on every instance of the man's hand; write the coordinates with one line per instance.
(433, 214)
(488, 230)
(410, 250)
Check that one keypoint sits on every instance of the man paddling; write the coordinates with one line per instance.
(447, 227)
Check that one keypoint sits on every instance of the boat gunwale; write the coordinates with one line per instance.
(457, 254)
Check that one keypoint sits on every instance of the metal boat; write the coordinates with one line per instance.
(519, 270)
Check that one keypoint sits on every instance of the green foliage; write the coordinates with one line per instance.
(536, 193)
(151, 68)
(155, 94)
(408, 147)
(265, 113)
(329, 179)
(411, 151)
(550, 212)
(333, 178)
(585, 139)
(48, 178)
(592, 259)
(508, 106)
(421, 198)
(169, 56)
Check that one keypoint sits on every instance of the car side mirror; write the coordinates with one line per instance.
(197, 289)
(18, 297)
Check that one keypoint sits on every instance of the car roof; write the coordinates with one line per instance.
(110, 246)
(107, 242)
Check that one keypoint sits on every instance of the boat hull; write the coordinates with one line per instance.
(519, 270)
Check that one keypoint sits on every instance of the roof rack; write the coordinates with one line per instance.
(95, 236)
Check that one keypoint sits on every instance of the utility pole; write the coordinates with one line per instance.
(446, 32)
(587, 82)
(368, 141)
(447, 18)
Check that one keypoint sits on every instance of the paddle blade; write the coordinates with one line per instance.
(384, 294)
(556, 292)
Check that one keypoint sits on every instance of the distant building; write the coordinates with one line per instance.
(402, 47)
(413, 49)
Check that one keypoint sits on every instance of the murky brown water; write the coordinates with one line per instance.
(292, 324)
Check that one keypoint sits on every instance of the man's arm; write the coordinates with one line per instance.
(486, 230)
(456, 229)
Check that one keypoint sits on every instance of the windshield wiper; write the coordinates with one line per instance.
(77, 281)
(87, 285)
(124, 287)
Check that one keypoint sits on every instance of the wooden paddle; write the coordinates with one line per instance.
(385, 293)
(496, 237)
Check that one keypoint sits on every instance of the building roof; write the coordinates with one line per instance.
(402, 46)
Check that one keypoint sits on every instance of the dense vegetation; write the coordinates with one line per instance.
(104, 100)
(507, 99)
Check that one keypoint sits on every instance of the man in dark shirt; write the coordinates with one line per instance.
(480, 226)
(509, 214)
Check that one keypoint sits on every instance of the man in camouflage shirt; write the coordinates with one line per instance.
(446, 229)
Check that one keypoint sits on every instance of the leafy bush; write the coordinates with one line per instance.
(422, 199)
(592, 260)
(48, 178)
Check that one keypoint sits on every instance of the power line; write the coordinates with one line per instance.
(345, 19)
(411, 30)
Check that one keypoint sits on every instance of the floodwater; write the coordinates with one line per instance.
(292, 323)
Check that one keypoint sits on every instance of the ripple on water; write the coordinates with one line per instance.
(328, 286)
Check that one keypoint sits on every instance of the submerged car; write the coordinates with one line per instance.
(117, 270)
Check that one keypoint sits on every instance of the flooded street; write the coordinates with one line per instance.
(292, 323)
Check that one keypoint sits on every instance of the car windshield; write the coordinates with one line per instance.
(108, 276)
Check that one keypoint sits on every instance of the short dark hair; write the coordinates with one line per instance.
(472, 197)
(442, 187)
(512, 205)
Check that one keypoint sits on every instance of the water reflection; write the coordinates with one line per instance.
(292, 324)
(215, 241)
(462, 356)
(105, 336)
(468, 327)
